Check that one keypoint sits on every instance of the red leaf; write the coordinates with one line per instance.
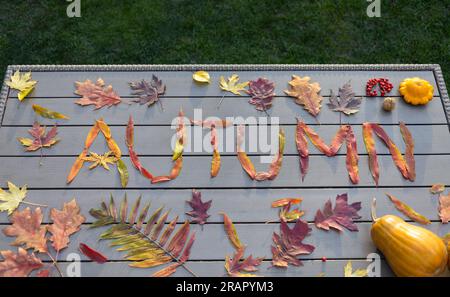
(341, 216)
(262, 93)
(18, 265)
(40, 138)
(92, 254)
(237, 268)
(200, 209)
(43, 273)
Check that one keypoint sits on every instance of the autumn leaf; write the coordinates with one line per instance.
(444, 208)
(306, 94)
(230, 230)
(23, 83)
(371, 150)
(201, 77)
(19, 264)
(100, 160)
(26, 227)
(237, 268)
(47, 113)
(40, 139)
(437, 188)
(65, 223)
(347, 102)
(12, 199)
(123, 172)
(199, 211)
(148, 91)
(215, 162)
(288, 245)
(352, 157)
(232, 86)
(96, 94)
(408, 211)
(286, 214)
(302, 148)
(92, 254)
(348, 271)
(342, 215)
(262, 93)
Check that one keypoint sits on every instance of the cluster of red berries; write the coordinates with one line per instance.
(383, 83)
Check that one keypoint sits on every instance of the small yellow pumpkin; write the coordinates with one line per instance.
(416, 91)
(411, 251)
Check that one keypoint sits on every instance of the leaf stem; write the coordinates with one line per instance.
(373, 210)
(55, 264)
(220, 102)
(33, 204)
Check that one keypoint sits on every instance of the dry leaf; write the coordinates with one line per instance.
(437, 188)
(23, 83)
(262, 93)
(92, 254)
(352, 156)
(408, 211)
(12, 199)
(215, 163)
(201, 77)
(286, 214)
(148, 92)
(48, 114)
(65, 223)
(371, 151)
(96, 94)
(306, 94)
(123, 172)
(302, 148)
(40, 139)
(100, 160)
(231, 232)
(342, 215)
(348, 271)
(232, 84)
(347, 102)
(444, 208)
(199, 211)
(18, 265)
(237, 268)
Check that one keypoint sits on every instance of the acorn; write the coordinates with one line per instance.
(389, 104)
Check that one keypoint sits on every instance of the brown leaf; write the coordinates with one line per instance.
(199, 211)
(18, 265)
(262, 93)
(96, 94)
(347, 103)
(40, 139)
(65, 223)
(26, 227)
(148, 91)
(237, 268)
(408, 211)
(306, 94)
(444, 208)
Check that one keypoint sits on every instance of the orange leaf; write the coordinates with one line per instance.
(370, 147)
(352, 157)
(286, 201)
(444, 208)
(18, 265)
(302, 148)
(409, 151)
(231, 232)
(408, 211)
(306, 93)
(96, 94)
(76, 167)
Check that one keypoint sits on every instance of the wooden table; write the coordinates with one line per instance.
(247, 202)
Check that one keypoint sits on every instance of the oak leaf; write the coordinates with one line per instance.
(19, 264)
(305, 93)
(23, 83)
(101, 160)
(12, 199)
(199, 211)
(262, 93)
(40, 139)
(65, 223)
(288, 245)
(347, 102)
(444, 208)
(148, 91)
(96, 94)
(237, 268)
(342, 215)
(47, 113)
(26, 227)
(408, 211)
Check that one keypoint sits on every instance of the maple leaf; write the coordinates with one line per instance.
(288, 245)
(96, 94)
(26, 227)
(65, 223)
(232, 84)
(444, 208)
(262, 93)
(13, 198)
(347, 102)
(22, 83)
(237, 268)
(342, 215)
(306, 94)
(199, 208)
(408, 211)
(148, 92)
(40, 139)
(348, 271)
(101, 160)
(19, 264)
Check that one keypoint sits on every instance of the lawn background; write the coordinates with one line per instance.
(233, 31)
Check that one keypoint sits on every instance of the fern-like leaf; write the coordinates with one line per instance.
(147, 242)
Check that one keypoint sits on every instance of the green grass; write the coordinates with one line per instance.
(233, 31)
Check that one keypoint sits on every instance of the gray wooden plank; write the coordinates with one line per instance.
(324, 172)
(285, 109)
(310, 268)
(254, 204)
(428, 140)
(180, 83)
(212, 243)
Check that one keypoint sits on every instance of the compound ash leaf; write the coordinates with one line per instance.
(237, 268)
(408, 211)
(262, 93)
(40, 139)
(232, 84)
(26, 227)
(65, 223)
(347, 102)
(148, 91)
(437, 188)
(306, 94)
(231, 232)
(201, 77)
(100, 160)
(19, 264)
(48, 114)
(12, 199)
(348, 271)
(23, 83)
(342, 215)
(92, 254)
(96, 94)
(200, 209)
(288, 245)
(444, 208)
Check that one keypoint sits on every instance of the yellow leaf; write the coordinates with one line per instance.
(12, 199)
(201, 77)
(232, 84)
(348, 271)
(22, 83)
(25, 141)
(47, 113)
